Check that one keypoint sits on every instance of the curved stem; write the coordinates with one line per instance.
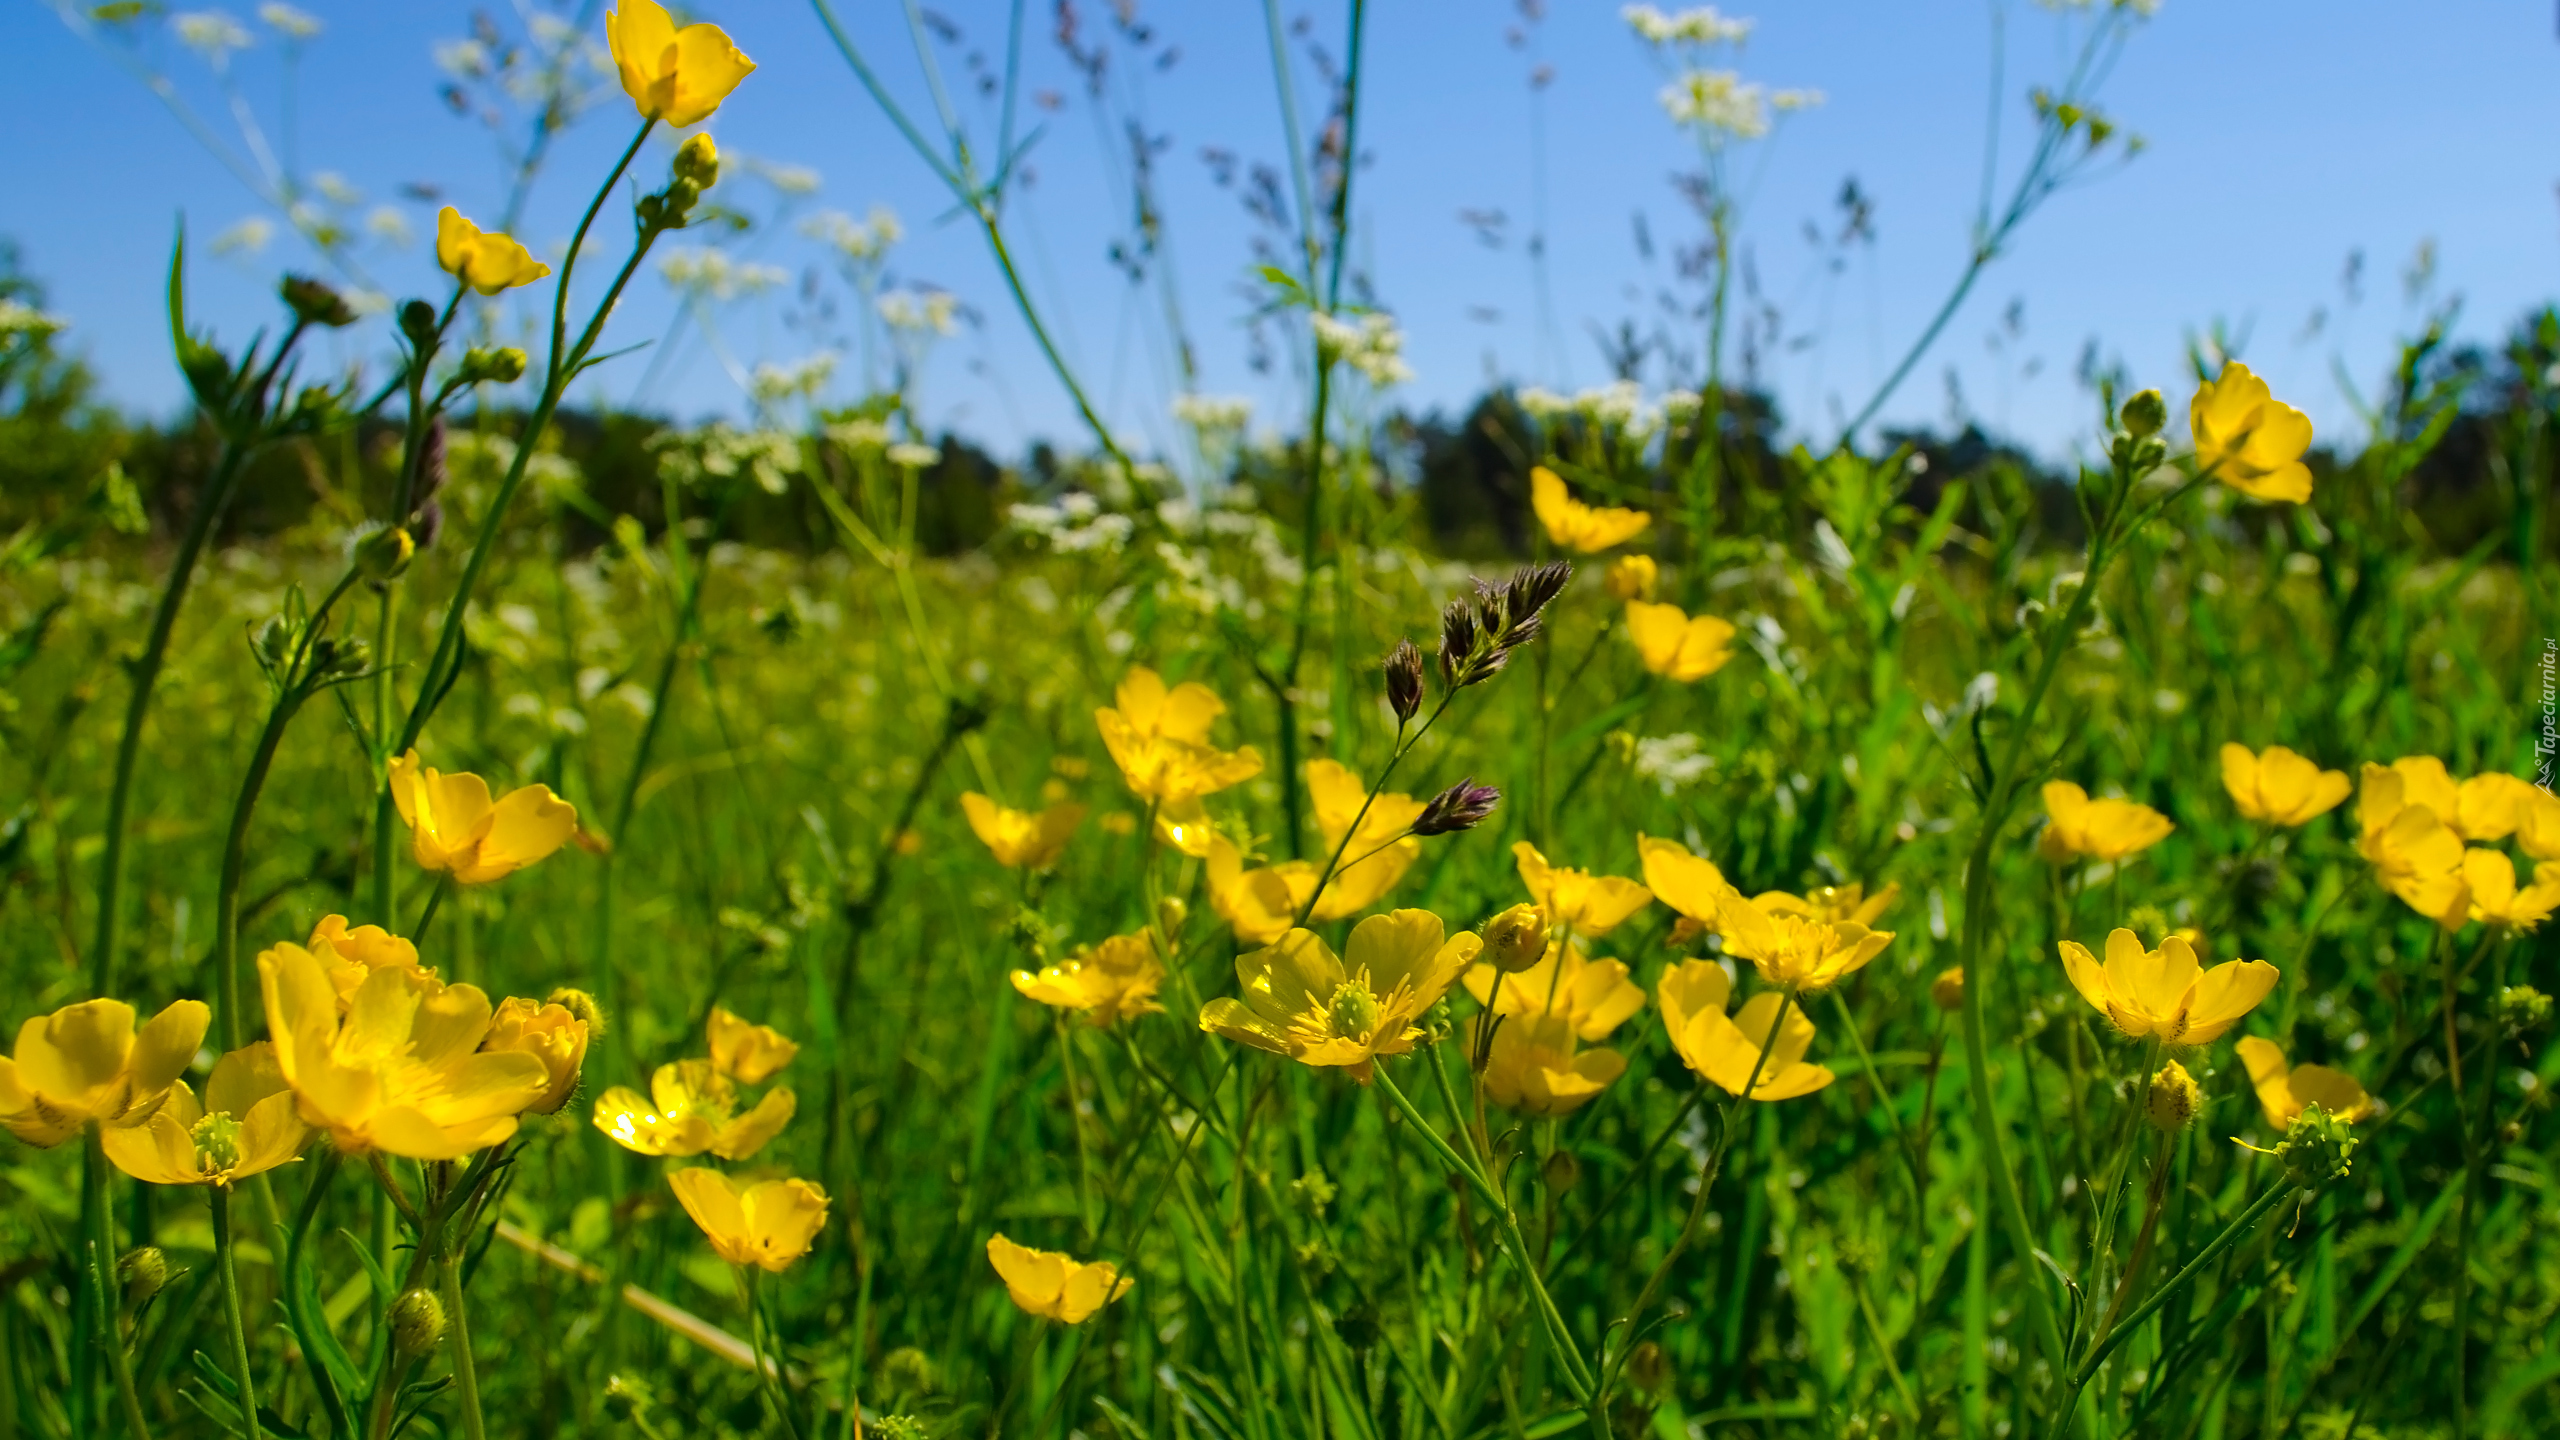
(225, 1262)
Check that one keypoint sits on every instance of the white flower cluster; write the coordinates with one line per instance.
(1370, 344)
(18, 318)
(1213, 414)
(720, 451)
(211, 33)
(1618, 407)
(1075, 525)
(920, 312)
(705, 274)
(861, 241)
(860, 437)
(795, 380)
(292, 24)
(1702, 25)
(1673, 762)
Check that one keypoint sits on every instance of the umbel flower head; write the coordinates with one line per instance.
(1677, 645)
(1534, 1065)
(248, 1124)
(1159, 737)
(2279, 787)
(1302, 1001)
(1053, 1285)
(770, 1223)
(1575, 526)
(2078, 827)
(402, 1070)
(2248, 439)
(2284, 1091)
(485, 260)
(1727, 1048)
(456, 829)
(86, 1063)
(1113, 981)
(1022, 840)
(1588, 905)
(2164, 993)
(678, 76)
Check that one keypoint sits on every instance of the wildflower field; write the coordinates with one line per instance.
(1714, 938)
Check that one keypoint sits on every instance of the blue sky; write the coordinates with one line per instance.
(2282, 137)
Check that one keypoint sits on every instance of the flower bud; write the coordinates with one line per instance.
(2143, 414)
(698, 162)
(428, 523)
(418, 323)
(314, 303)
(627, 1398)
(1404, 680)
(417, 1324)
(1170, 915)
(2317, 1149)
(1647, 1367)
(1516, 939)
(503, 364)
(1633, 577)
(2523, 1009)
(2174, 1099)
(385, 553)
(142, 1271)
(1947, 991)
(1561, 1172)
(1686, 931)
(431, 464)
(583, 1005)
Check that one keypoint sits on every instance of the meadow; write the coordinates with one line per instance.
(1806, 942)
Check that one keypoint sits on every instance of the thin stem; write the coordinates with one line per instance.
(749, 1280)
(435, 902)
(224, 1261)
(466, 1380)
(102, 1261)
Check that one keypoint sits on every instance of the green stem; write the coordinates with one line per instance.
(225, 1261)
(109, 1335)
(466, 1380)
(435, 902)
(750, 1279)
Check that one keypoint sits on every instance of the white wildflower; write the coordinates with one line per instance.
(246, 238)
(1213, 413)
(336, 189)
(1545, 405)
(463, 59)
(861, 437)
(1371, 344)
(789, 179)
(1719, 103)
(709, 274)
(923, 312)
(388, 225)
(292, 24)
(1702, 25)
(909, 455)
(1673, 762)
(772, 383)
(212, 33)
(18, 318)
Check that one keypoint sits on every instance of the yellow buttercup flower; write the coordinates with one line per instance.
(1052, 1285)
(678, 76)
(1111, 982)
(1632, 577)
(2538, 823)
(770, 1223)
(2248, 439)
(1301, 1001)
(2490, 878)
(402, 1071)
(2284, 1093)
(748, 1054)
(1676, 645)
(2077, 826)
(1727, 1048)
(1534, 1065)
(1796, 942)
(349, 955)
(2278, 786)
(2164, 993)
(1020, 839)
(248, 1124)
(86, 1063)
(1588, 905)
(550, 1033)
(1185, 825)
(1832, 904)
(2415, 854)
(691, 1108)
(455, 829)
(1160, 739)
(1575, 526)
(485, 260)
(2493, 806)
(1263, 903)
(1591, 997)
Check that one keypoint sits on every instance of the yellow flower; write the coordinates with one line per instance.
(2174, 1098)
(86, 1062)
(1019, 839)
(1185, 825)
(1263, 903)
(2248, 439)
(1113, 981)
(1160, 739)
(2284, 1093)
(247, 1125)
(485, 260)
(2163, 992)
(1795, 942)
(2490, 878)
(455, 828)
(2493, 806)
(1054, 1286)
(349, 955)
(552, 1034)
(2278, 786)
(1675, 644)
(2538, 823)
(679, 76)
(1592, 997)
(1726, 1048)
(2415, 854)
(1301, 1001)
(1533, 1064)
(770, 1223)
(402, 1072)
(2077, 826)
(691, 1108)
(1575, 526)
(1588, 905)
(1633, 577)
(748, 1054)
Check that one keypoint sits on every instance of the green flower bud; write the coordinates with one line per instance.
(417, 1324)
(2143, 414)
(2174, 1099)
(698, 161)
(142, 1271)
(1561, 1172)
(502, 365)
(418, 322)
(2317, 1149)
(385, 553)
(2523, 1009)
(314, 303)
(1516, 939)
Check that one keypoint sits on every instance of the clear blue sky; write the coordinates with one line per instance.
(2283, 135)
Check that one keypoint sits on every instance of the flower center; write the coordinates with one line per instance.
(1354, 1011)
(217, 1140)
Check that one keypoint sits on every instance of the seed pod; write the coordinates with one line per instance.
(2174, 1099)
